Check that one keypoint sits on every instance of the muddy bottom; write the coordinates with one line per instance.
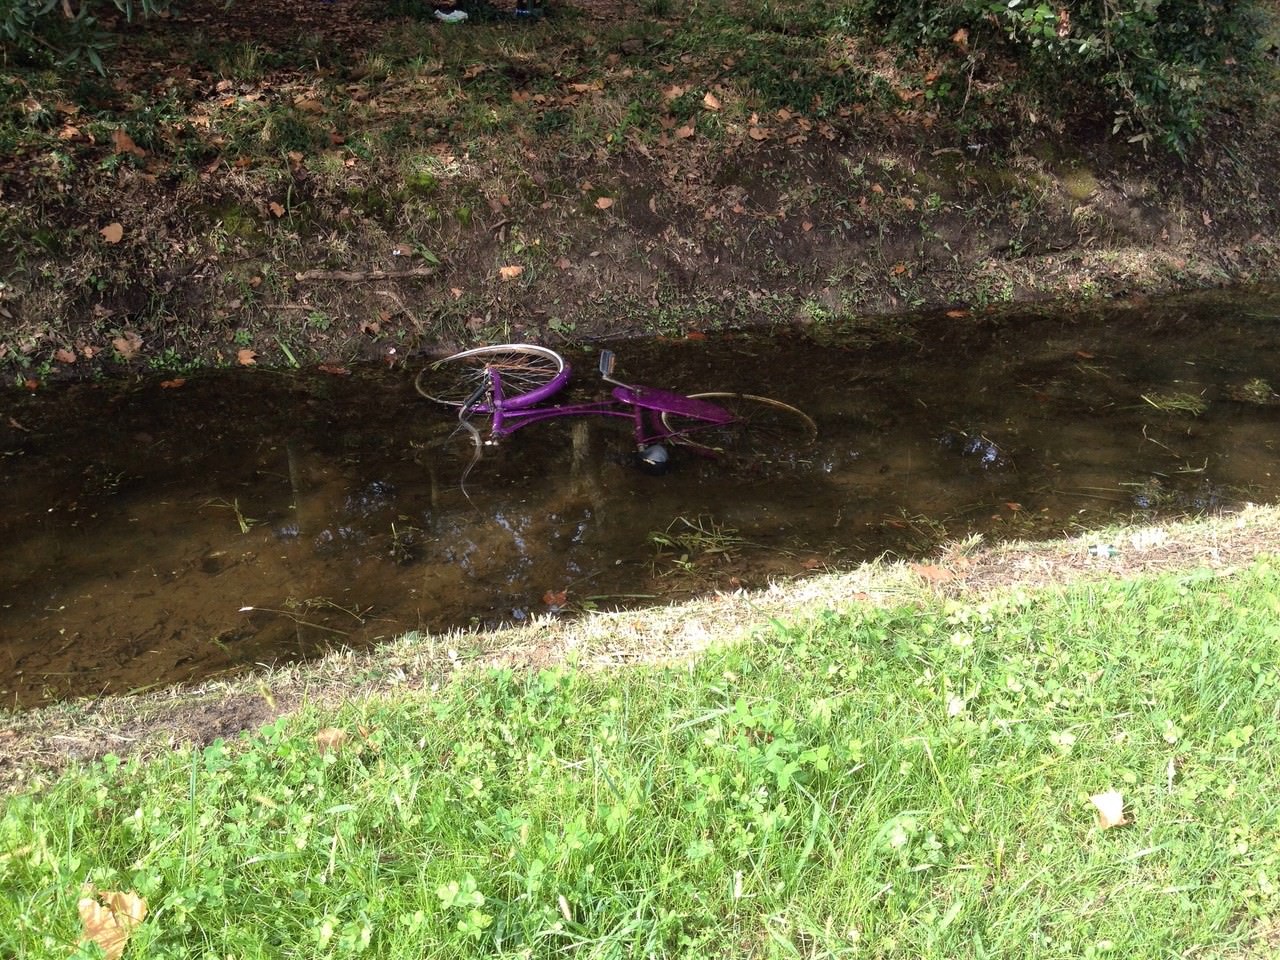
(157, 533)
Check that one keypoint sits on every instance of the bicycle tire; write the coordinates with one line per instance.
(528, 373)
(763, 430)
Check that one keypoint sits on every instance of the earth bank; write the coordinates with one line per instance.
(37, 745)
(284, 187)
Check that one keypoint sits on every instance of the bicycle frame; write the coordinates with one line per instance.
(644, 406)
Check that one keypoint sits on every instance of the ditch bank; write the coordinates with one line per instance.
(36, 745)
(210, 276)
(278, 186)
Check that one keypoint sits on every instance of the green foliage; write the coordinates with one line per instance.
(53, 33)
(1155, 66)
(914, 781)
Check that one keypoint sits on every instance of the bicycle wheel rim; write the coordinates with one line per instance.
(528, 373)
(764, 430)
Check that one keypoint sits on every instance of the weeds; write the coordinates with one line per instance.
(687, 542)
(1176, 402)
(244, 523)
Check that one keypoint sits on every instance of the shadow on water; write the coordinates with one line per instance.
(159, 534)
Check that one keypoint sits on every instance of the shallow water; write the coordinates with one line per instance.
(159, 534)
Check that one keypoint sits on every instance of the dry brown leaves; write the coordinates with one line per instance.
(109, 918)
(127, 344)
(1109, 808)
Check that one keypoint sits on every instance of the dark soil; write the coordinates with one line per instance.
(263, 205)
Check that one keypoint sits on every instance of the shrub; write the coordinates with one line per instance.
(1154, 64)
(61, 32)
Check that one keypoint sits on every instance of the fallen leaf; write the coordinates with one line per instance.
(333, 369)
(555, 598)
(695, 335)
(331, 739)
(957, 314)
(806, 226)
(109, 918)
(758, 133)
(711, 101)
(1109, 807)
(510, 272)
(121, 142)
(276, 209)
(309, 105)
(32, 384)
(457, 292)
(899, 269)
(604, 203)
(127, 344)
(64, 355)
(173, 384)
(685, 132)
(112, 233)
(246, 357)
(961, 38)
(932, 573)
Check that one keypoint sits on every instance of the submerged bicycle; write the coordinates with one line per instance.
(511, 383)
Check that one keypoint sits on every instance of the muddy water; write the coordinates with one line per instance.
(154, 534)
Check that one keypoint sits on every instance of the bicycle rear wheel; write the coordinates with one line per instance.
(528, 374)
(762, 430)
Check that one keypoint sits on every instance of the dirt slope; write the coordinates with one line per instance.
(293, 183)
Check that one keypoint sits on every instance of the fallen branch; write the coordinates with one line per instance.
(358, 276)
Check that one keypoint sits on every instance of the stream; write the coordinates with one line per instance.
(157, 533)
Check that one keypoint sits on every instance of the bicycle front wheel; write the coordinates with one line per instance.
(762, 430)
(528, 373)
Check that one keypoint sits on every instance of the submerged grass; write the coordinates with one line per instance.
(883, 782)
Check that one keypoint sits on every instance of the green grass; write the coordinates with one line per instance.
(873, 783)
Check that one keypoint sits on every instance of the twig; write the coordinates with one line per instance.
(391, 295)
(359, 276)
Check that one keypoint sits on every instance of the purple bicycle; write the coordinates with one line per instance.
(512, 382)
